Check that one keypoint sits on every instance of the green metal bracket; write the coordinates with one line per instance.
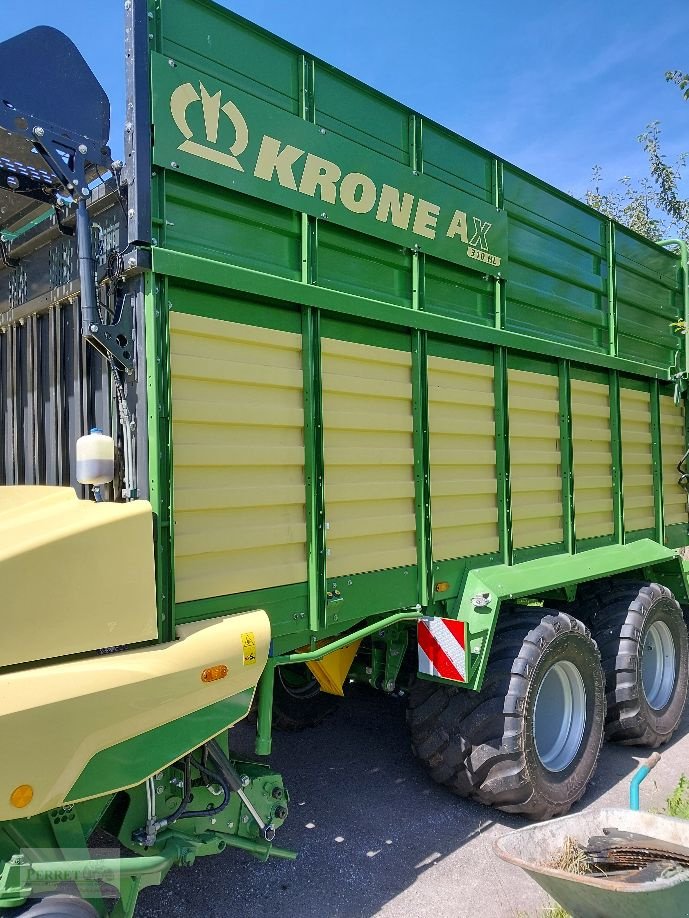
(566, 456)
(314, 467)
(14, 888)
(502, 454)
(682, 378)
(130, 875)
(487, 588)
(611, 257)
(656, 450)
(616, 449)
(389, 649)
(160, 447)
(422, 487)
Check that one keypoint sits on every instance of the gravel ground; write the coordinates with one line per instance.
(376, 837)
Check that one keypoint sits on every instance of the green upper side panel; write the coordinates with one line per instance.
(250, 134)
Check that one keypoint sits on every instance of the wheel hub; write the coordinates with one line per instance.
(658, 665)
(559, 716)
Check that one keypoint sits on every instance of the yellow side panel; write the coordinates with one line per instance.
(534, 418)
(55, 718)
(238, 453)
(673, 439)
(462, 448)
(637, 460)
(369, 457)
(75, 575)
(592, 453)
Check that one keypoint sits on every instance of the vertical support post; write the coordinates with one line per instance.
(314, 477)
(566, 456)
(612, 289)
(419, 352)
(502, 453)
(422, 486)
(499, 289)
(416, 143)
(160, 462)
(684, 262)
(616, 449)
(313, 396)
(141, 36)
(656, 450)
(264, 714)
(87, 270)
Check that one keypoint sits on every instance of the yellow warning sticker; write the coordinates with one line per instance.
(249, 646)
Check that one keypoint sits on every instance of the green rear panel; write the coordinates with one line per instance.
(387, 255)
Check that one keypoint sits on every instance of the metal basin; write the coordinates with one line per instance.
(594, 897)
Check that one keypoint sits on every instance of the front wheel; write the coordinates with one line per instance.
(298, 702)
(642, 635)
(61, 907)
(529, 741)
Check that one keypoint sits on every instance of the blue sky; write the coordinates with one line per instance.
(554, 87)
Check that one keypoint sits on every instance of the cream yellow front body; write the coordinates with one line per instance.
(76, 575)
(55, 718)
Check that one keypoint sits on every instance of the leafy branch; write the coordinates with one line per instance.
(679, 79)
(654, 206)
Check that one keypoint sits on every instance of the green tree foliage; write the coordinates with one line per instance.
(680, 79)
(657, 205)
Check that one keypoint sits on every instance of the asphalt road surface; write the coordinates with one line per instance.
(375, 836)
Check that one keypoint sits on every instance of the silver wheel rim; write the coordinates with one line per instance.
(559, 717)
(658, 665)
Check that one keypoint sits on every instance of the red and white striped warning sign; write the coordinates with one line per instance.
(442, 648)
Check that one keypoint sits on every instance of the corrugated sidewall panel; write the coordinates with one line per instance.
(53, 388)
(238, 454)
(637, 460)
(592, 455)
(369, 457)
(673, 446)
(462, 451)
(535, 458)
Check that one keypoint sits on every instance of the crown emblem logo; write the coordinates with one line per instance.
(186, 95)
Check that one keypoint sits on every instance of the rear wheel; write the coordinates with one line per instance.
(298, 701)
(529, 741)
(642, 635)
(61, 907)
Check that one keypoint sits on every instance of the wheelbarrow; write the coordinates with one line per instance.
(591, 895)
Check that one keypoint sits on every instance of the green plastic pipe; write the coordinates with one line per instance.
(264, 714)
(320, 652)
(97, 868)
(264, 717)
(254, 847)
(641, 772)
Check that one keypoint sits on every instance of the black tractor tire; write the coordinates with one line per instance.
(642, 636)
(482, 745)
(298, 702)
(61, 907)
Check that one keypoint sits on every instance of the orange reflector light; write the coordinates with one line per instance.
(442, 587)
(213, 673)
(21, 796)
